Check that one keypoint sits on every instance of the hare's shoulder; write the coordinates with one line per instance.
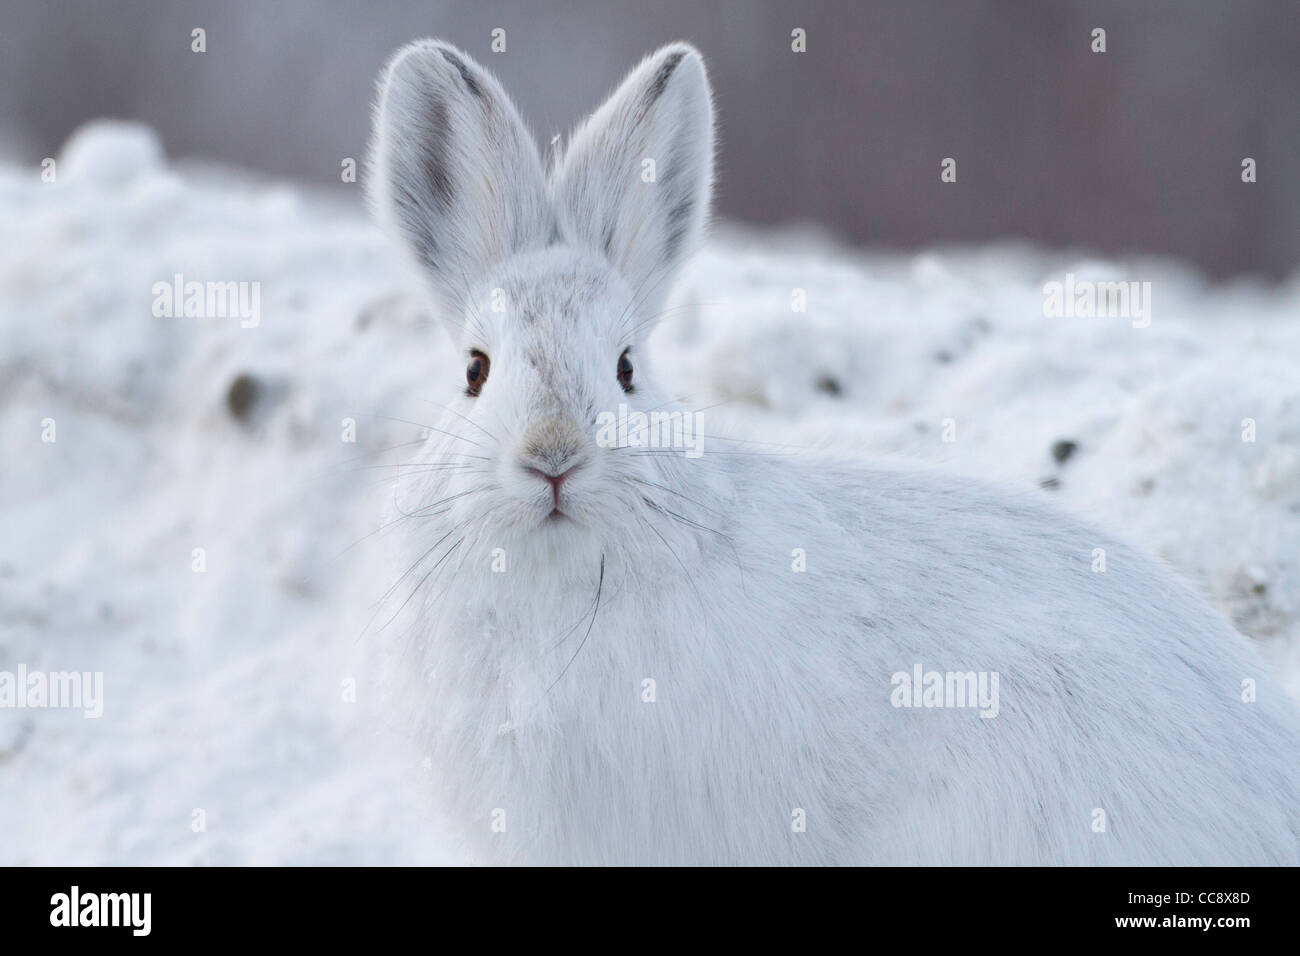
(893, 497)
(961, 553)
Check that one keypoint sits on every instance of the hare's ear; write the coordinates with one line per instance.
(636, 180)
(454, 172)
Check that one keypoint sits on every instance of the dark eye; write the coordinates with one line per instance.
(477, 372)
(625, 371)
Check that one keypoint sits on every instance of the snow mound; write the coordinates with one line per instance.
(110, 152)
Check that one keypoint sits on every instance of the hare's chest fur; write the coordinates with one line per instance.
(635, 738)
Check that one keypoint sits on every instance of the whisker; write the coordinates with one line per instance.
(692, 305)
(435, 504)
(648, 424)
(622, 318)
(740, 565)
(473, 311)
(432, 466)
(694, 524)
(392, 480)
(677, 452)
(370, 534)
(751, 441)
(381, 451)
(671, 550)
(407, 421)
(600, 586)
(420, 584)
(639, 301)
(655, 484)
(405, 574)
(462, 417)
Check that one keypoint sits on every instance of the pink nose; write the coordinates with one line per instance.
(554, 480)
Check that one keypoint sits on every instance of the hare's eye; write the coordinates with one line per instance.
(625, 371)
(477, 372)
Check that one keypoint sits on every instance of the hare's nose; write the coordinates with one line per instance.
(552, 449)
(554, 480)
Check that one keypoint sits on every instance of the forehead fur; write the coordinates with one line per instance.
(554, 288)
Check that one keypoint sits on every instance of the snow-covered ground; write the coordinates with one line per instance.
(228, 691)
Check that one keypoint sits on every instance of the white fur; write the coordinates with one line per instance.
(1119, 691)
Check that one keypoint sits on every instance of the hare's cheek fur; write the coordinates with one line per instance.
(697, 660)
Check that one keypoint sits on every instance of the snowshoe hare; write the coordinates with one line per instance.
(627, 655)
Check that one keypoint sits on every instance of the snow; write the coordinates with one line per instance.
(227, 691)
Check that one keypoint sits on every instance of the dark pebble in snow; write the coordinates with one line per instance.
(241, 395)
(829, 385)
(1062, 450)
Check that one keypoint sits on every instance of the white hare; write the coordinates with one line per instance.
(610, 649)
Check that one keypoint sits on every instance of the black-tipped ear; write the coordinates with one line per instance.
(637, 179)
(454, 172)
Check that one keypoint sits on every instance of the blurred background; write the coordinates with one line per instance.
(1137, 150)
